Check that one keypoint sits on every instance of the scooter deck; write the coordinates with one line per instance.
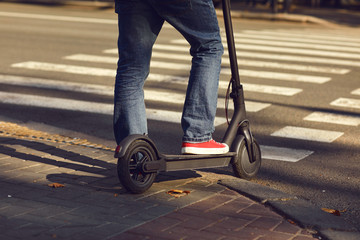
(187, 162)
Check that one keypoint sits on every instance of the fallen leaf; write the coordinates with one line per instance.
(333, 211)
(178, 193)
(56, 185)
(291, 221)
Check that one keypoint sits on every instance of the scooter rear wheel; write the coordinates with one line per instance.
(130, 167)
(241, 164)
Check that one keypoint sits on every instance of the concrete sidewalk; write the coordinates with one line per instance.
(57, 187)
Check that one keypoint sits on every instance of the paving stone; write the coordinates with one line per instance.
(260, 210)
(230, 223)
(277, 236)
(287, 227)
(265, 223)
(303, 238)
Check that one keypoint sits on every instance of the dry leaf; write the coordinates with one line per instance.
(178, 193)
(333, 211)
(291, 221)
(56, 185)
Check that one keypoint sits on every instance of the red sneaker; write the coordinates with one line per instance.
(210, 147)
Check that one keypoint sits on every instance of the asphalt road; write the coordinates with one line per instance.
(301, 83)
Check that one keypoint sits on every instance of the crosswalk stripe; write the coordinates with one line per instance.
(297, 45)
(284, 154)
(256, 35)
(84, 106)
(280, 76)
(260, 64)
(222, 85)
(150, 95)
(156, 64)
(247, 46)
(333, 118)
(279, 42)
(250, 73)
(356, 92)
(308, 134)
(272, 56)
(176, 98)
(180, 66)
(346, 102)
(274, 153)
(66, 68)
(285, 91)
(59, 18)
(55, 103)
(301, 34)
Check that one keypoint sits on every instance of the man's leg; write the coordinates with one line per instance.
(139, 26)
(196, 20)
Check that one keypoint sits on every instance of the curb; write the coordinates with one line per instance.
(302, 212)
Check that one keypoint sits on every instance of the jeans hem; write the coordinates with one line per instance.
(202, 139)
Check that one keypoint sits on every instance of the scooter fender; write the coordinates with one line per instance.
(235, 146)
(126, 142)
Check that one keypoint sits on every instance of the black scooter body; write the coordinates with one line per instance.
(139, 160)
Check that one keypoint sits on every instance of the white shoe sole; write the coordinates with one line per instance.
(193, 150)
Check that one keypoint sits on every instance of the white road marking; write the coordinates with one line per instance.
(66, 68)
(302, 35)
(333, 118)
(55, 103)
(285, 91)
(111, 72)
(271, 56)
(284, 154)
(280, 76)
(248, 44)
(92, 58)
(242, 54)
(84, 106)
(179, 66)
(150, 95)
(308, 134)
(278, 42)
(59, 18)
(107, 72)
(356, 92)
(259, 35)
(224, 85)
(259, 64)
(346, 102)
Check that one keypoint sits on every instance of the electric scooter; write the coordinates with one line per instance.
(139, 161)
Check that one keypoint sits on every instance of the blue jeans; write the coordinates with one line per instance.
(140, 22)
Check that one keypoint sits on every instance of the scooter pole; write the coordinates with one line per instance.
(238, 124)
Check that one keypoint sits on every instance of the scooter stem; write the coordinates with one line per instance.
(239, 123)
(237, 91)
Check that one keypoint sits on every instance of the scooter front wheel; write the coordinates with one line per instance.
(241, 164)
(130, 166)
